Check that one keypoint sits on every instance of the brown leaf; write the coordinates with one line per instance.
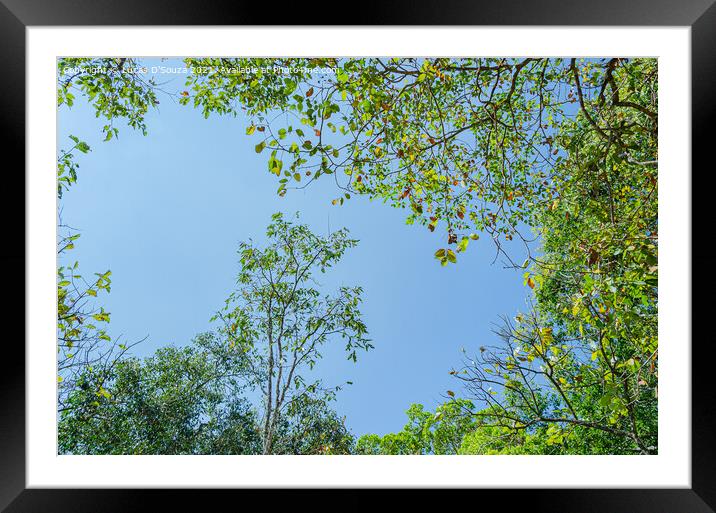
(593, 257)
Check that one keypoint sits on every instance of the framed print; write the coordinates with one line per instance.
(442, 248)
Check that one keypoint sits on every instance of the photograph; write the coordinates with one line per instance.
(282, 251)
(364, 256)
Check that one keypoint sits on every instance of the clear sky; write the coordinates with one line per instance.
(165, 213)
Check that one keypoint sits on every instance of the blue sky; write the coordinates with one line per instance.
(165, 213)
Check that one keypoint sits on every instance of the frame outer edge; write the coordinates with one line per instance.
(365, 12)
(12, 260)
(703, 409)
(12, 396)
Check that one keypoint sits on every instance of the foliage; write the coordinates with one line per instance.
(426, 432)
(115, 87)
(583, 363)
(310, 426)
(189, 400)
(82, 341)
(454, 428)
(282, 323)
(489, 439)
(470, 143)
(67, 167)
(179, 401)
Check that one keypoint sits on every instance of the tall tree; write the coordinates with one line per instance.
(282, 322)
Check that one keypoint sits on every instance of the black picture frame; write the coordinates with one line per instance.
(17, 15)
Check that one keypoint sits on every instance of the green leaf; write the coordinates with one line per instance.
(462, 246)
(275, 165)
